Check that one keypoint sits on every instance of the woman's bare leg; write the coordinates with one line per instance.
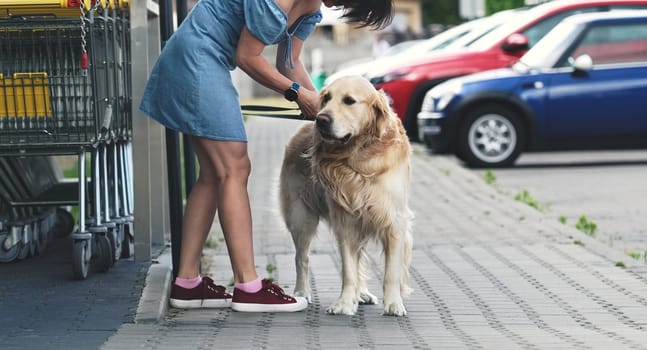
(221, 186)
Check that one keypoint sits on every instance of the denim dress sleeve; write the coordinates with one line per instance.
(265, 20)
(307, 26)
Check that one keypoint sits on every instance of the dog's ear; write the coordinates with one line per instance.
(323, 97)
(382, 111)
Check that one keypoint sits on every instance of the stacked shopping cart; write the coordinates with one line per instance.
(65, 89)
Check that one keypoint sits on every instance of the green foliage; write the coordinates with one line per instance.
(562, 219)
(525, 197)
(634, 255)
(489, 177)
(492, 6)
(447, 12)
(578, 242)
(587, 226)
(440, 11)
(621, 264)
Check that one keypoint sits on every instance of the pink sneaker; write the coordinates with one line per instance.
(271, 298)
(206, 295)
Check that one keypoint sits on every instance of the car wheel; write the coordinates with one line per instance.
(491, 136)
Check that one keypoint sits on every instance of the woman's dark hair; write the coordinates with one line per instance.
(376, 14)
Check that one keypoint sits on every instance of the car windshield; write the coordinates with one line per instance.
(484, 26)
(445, 38)
(545, 53)
(502, 31)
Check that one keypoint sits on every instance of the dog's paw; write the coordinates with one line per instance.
(366, 298)
(304, 294)
(342, 307)
(395, 308)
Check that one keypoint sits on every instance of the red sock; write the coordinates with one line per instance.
(250, 287)
(188, 283)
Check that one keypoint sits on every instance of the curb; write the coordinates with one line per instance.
(153, 303)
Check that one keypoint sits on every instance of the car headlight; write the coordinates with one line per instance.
(444, 100)
(439, 97)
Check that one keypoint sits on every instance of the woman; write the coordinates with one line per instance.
(190, 90)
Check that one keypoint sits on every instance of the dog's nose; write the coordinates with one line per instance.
(323, 121)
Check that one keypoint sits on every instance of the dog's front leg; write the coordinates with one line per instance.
(348, 301)
(394, 246)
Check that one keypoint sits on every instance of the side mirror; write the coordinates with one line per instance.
(582, 63)
(516, 43)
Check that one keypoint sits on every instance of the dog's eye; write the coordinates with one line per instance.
(325, 99)
(349, 100)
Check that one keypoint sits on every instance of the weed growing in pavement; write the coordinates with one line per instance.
(578, 242)
(213, 243)
(621, 264)
(562, 219)
(210, 243)
(271, 269)
(525, 197)
(489, 177)
(587, 226)
(634, 255)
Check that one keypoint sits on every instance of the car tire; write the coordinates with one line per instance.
(490, 136)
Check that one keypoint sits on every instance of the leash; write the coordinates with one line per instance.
(273, 112)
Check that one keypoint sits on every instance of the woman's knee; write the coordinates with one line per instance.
(239, 168)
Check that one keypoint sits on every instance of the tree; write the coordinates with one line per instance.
(440, 11)
(492, 6)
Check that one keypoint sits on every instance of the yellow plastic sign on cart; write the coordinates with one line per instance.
(26, 95)
(60, 8)
(53, 4)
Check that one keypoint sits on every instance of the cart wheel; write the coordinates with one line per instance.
(81, 258)
(102, 258)
(127, 245)
(35, 247)
(8, 251)
(115, 244)
(43, 240)
(25, 250)
(64, 223)
(34, 241)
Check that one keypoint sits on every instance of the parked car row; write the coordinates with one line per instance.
(408, 79)
(583, 85)
(559, 96)
(453, 38)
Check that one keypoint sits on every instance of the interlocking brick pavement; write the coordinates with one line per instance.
(487, 273)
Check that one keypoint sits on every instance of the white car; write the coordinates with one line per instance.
(454, 38)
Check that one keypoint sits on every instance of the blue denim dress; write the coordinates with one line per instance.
(190, 87)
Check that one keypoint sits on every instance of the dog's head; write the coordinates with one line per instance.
(350, 106)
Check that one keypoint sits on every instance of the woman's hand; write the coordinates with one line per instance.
(308, 102)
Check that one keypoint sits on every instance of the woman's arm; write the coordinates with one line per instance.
(299, 72)
(249, 58)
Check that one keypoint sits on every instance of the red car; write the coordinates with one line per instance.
(407, 83)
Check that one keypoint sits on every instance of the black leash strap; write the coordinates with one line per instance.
(273, 112)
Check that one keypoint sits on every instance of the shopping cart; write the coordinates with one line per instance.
(65, 90)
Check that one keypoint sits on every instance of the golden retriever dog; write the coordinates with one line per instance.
(351, 169)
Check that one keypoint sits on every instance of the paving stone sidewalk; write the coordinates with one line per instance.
(487, 273)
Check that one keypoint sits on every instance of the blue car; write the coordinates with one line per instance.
(583, 86)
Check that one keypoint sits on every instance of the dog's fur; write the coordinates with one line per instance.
(351, 168)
